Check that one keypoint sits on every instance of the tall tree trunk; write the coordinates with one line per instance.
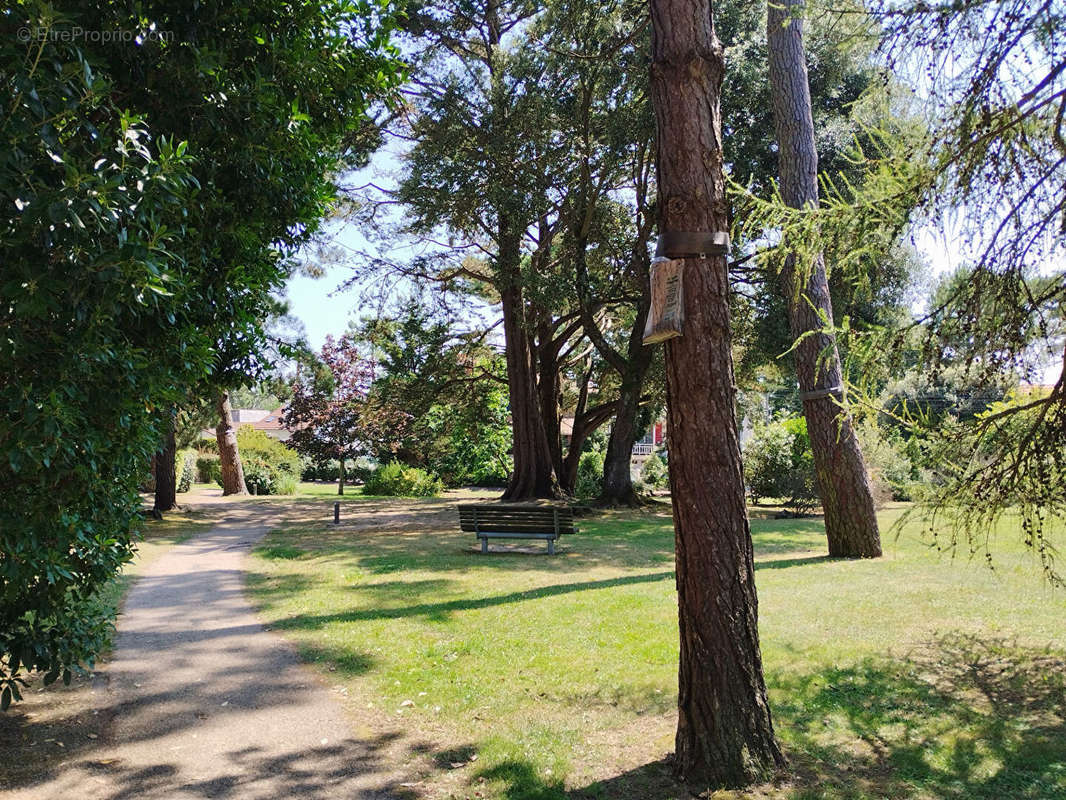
(534, 473)
(166, 477)
(229, 459)
(572, 461)
(548, 394)
(850, 521)
(579, 432)
(617, 489)
(340, 476)
(725, 736)
(617, 475)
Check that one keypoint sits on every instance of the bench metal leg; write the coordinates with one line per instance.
(551, 547)
(484, 544)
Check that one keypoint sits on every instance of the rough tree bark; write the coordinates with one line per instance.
(725, 736)
(850, 521)
(617, 488)
(229, 458)
(549, 392)
(534, 471)
(166, 477)
(586, 422)
(617, 477)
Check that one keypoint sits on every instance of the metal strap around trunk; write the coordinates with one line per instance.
(817, 394)
(692, 244)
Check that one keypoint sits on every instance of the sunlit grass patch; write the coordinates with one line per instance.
(557, 675)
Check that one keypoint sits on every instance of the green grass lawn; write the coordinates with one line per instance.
(519, 675)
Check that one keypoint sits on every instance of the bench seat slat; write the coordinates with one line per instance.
(512, 521)
(538, 517)
(513, 507)
(513, 535)
(515, 529)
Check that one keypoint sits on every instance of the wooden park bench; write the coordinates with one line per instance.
(517, 522)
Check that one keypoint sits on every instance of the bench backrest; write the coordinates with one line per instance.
(517, 519)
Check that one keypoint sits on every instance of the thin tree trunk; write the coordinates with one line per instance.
(166, 478)
(850, 520)
(340, 476)
(725, 736)
(229, 459)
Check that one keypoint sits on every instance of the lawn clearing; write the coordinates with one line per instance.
(522, 675)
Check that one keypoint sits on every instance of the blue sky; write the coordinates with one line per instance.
(323, 312)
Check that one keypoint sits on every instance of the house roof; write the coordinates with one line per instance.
(271, 422)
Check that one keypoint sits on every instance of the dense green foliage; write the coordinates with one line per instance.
(450, 386)
(269, 466)
(140, 248)
(208, 469)
(185, 469)
(778, 464)
(654, 474)
(895, 463)
(399, 480)
(91, 292)
(475, 441)
(589, 474)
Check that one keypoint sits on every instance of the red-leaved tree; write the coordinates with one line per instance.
(329, 414)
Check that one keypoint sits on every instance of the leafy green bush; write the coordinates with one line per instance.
(185, 469)
(767, 456)
(893, 472)
(254, 442)
(397, 480)
(474, 448)
(653, 474)
(269, 466)
(308, 469)
(589, 481)
(359, 470)
(208, 469)
(259, 477)
(778, 463)
(320, 471)
(355, 471)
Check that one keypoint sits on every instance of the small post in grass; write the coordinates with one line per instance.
(336, 513)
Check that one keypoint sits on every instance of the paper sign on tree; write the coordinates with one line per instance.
(667, 313)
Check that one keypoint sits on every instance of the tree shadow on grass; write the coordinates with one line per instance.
(428, 539)
(965, 717)
(441, 611)
(798, 561)
(385, 595)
